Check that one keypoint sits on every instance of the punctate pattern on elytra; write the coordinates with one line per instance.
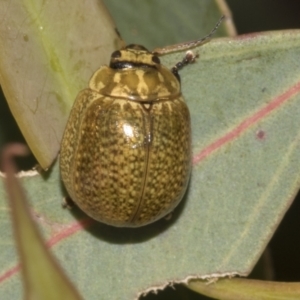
(126, 151)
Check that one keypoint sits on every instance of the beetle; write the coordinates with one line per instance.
(125, 155)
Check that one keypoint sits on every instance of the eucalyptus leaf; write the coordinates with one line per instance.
(247, 289)
(161, 23)
(49, 49)
(42, 277)
(243, 94)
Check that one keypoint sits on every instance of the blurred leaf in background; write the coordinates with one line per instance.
(42, 277)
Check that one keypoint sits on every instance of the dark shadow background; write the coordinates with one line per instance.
(283, 254)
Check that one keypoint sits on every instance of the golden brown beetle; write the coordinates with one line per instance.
(126, 151)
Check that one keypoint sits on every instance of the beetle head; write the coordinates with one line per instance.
(133, 56)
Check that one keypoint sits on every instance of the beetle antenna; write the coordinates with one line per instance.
(188, 45)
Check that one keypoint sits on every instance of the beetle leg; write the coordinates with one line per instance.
(189, 58)
(67, 203)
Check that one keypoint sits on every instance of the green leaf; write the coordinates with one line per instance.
(246, 289)
(243, 94)
(42, 277)
(162, 23)
(48, 52)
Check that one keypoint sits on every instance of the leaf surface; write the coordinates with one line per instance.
(247, 289)
(42, 277)
(243, 94)
(48, 52)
